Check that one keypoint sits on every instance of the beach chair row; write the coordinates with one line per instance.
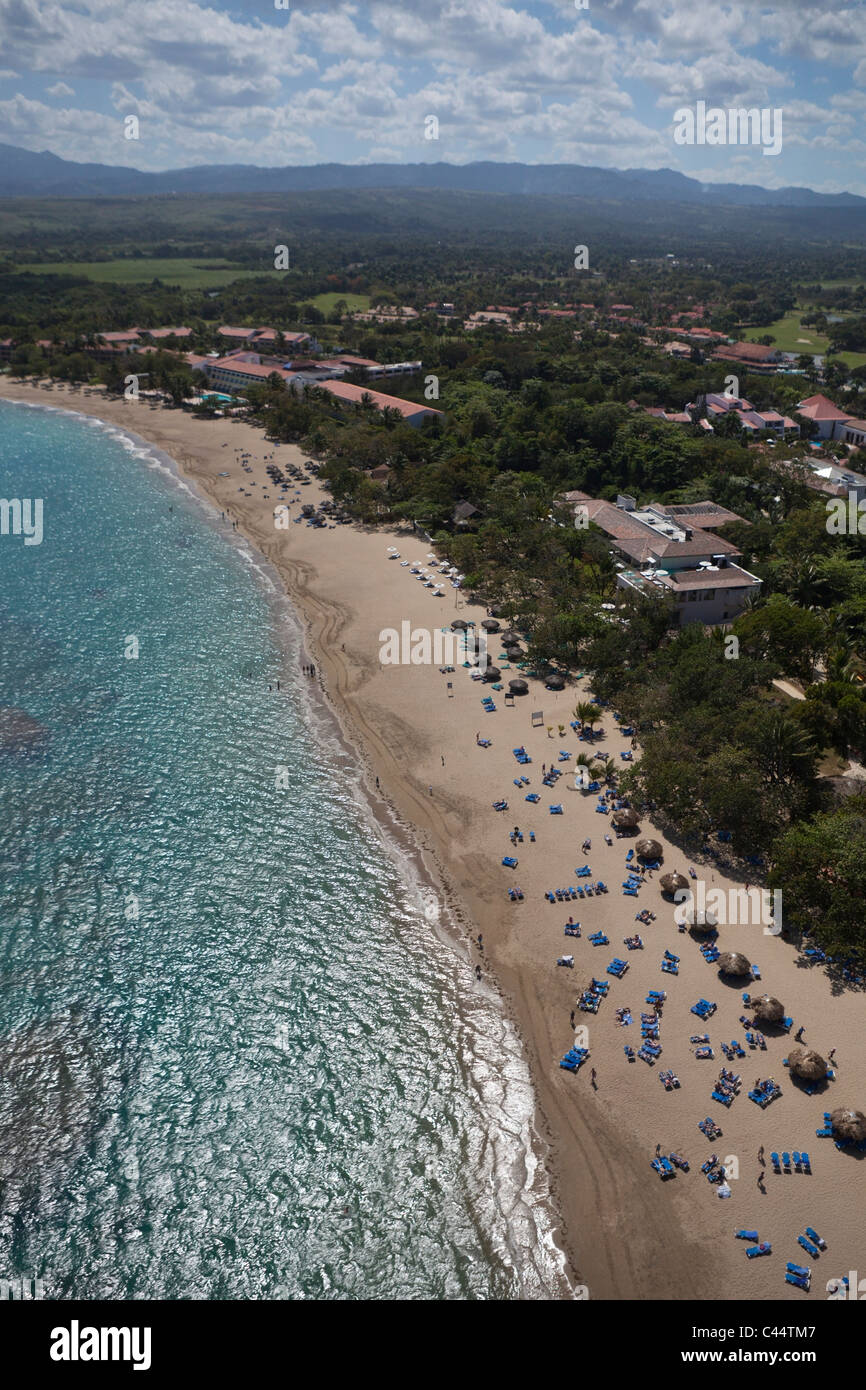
(799, 1163)
(586, 890)
(574, 1058)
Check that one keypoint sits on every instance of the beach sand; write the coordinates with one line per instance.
(626, 1234)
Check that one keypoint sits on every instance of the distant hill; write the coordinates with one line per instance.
(24, 173)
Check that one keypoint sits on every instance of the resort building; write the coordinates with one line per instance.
(714, 407)
(412, 412)
(267, 338)
(826, 416)
(854, 432)
(234, 373)
(669, 550)
(755, 357)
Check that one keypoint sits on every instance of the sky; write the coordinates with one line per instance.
(274, 82)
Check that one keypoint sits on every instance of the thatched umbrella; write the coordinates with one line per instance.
(649, 849)
(849, 1124)
(673, 881)
(492, 673)
(701, 918)
(555, 681)
(510, 637)
(626, 820)
(490, 624)
(768, 1008)
(458, 625)
(518, 687)
(802, 1061)
(734, 963)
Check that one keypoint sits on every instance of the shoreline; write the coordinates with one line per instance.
(416, 861)
(629, 1236)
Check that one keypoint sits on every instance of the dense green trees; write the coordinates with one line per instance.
(820, 866)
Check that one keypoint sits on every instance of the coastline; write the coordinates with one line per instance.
(531, 1213)
(625, 1236)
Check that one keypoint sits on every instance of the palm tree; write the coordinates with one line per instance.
(587, 713)
(787, 750)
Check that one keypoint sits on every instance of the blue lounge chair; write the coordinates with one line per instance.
(786, 1161)
(746, 1235)
(798, 1281)
(806, 1162)
(813, 1236)
(808, 1247)
(509, 862)
(763, 1249)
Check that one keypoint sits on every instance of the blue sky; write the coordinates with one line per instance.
(246, 81)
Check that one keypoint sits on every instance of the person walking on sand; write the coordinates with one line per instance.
(592, 1076)
(831, 1054)
(572, 1018)
(761, 1154)
(798, 1036)
(761, 1180)
(658, 1149)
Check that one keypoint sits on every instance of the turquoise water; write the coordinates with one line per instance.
(238, 1059)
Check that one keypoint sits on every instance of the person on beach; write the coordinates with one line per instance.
(798, 1036)
(592, 1076)
(831, 1054)
(572, 1018)
(761, 1154)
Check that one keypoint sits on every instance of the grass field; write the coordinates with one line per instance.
(193, 274)
(791, 337)
(326, 302)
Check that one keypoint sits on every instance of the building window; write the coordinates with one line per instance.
(710, 594)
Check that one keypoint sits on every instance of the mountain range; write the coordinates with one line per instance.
(25, 173)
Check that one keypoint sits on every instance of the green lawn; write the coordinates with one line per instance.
(189, 274)
(326, 302)
(790, 336)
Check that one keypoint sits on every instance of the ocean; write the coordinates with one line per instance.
(240, 1056)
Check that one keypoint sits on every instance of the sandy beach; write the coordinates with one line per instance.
(627, 1234)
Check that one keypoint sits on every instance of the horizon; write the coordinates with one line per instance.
(536, 82)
